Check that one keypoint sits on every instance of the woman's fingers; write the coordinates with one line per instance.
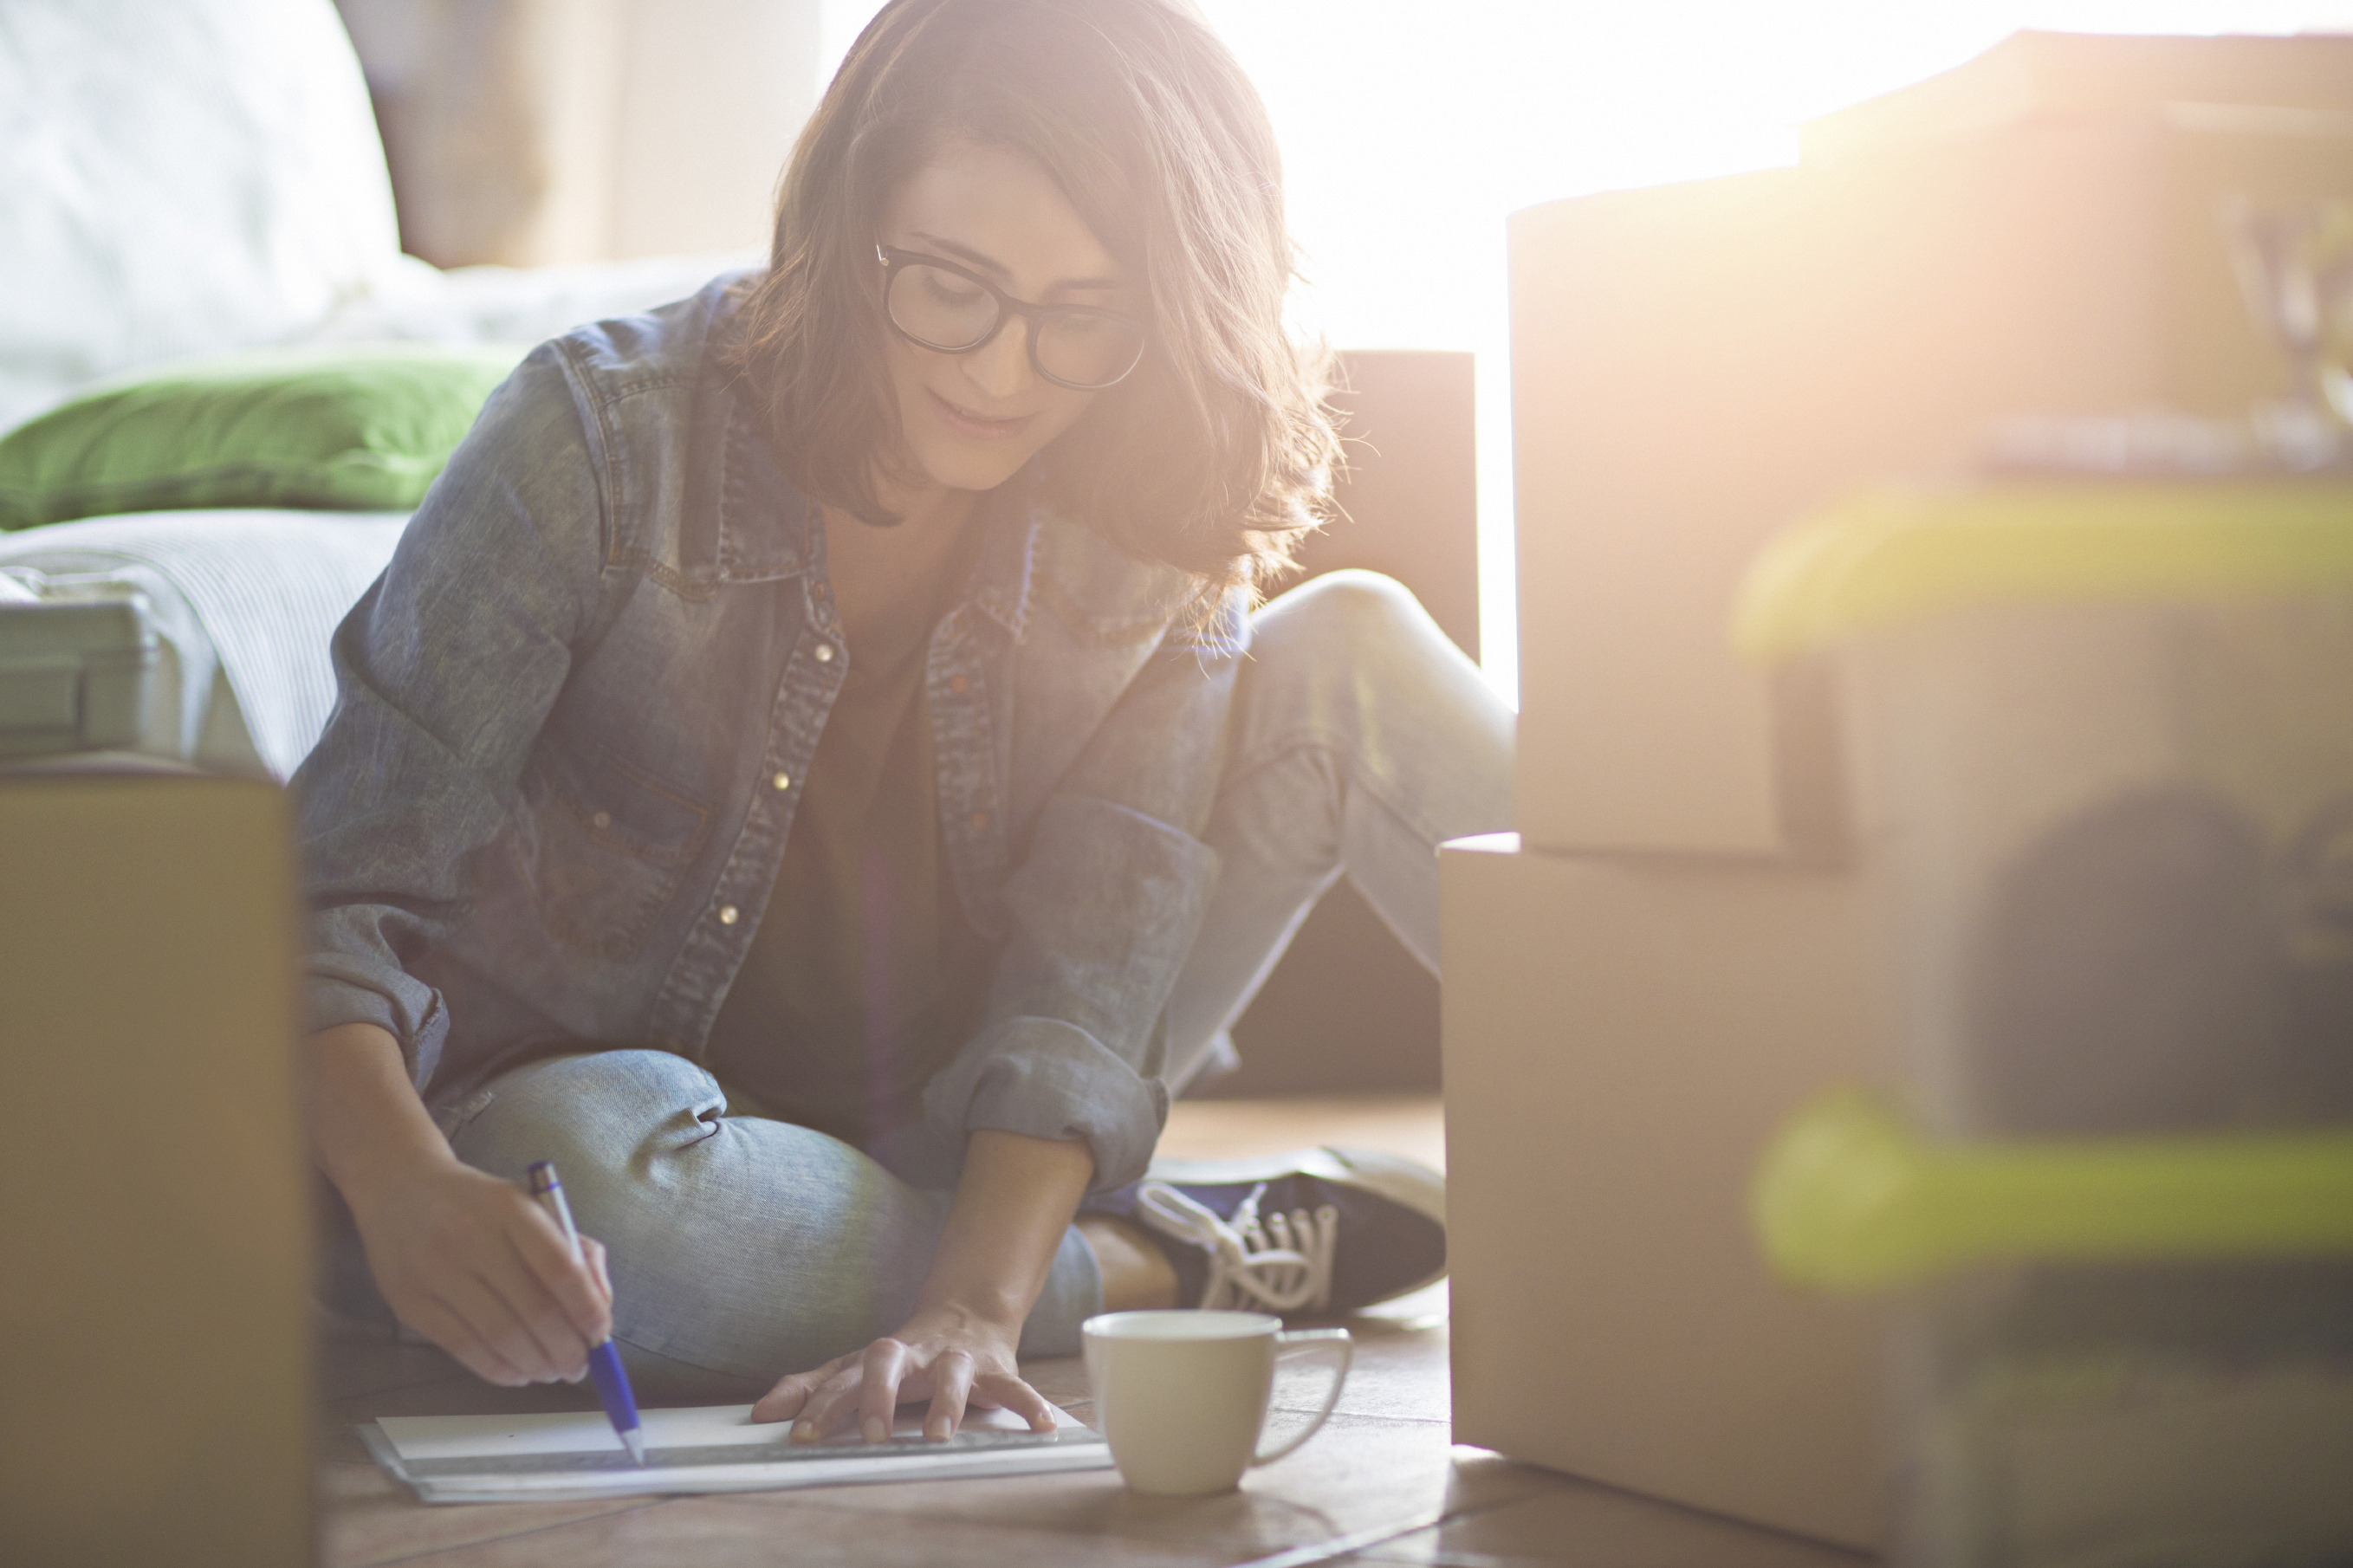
(1009, 1393)
(786, 1400)
(952, 1376)
(487, 1324)
(504, 1303)
(558, 1349)
(793, 1393)
(791, 1396)
(865, 1386)
(570, 1283)
(878, 1398)
(451, 1333)
(594, 1250)
(494, 1264)
(832, 1403)
(490, 1313)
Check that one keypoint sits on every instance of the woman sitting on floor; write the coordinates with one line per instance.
(815, 772)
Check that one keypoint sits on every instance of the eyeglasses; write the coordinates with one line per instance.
(951, 310)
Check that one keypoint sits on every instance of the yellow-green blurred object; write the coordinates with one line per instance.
(1848, 1198)
(1890, 556)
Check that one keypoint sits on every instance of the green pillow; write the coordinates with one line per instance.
(362, 426)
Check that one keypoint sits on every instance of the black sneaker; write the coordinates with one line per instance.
(1317, 1230)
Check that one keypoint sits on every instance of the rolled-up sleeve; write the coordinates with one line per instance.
(1102, 913)
(445, 671)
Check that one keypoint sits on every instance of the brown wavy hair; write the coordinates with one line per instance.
(1217, 454)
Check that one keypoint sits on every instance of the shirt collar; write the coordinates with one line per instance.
(765, 522)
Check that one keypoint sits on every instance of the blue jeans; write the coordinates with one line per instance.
(743, 1248)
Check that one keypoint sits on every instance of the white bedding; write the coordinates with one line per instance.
(244, 602)
(204, 175)
(178, 179)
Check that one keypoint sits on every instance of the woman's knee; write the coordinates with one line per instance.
(1332, 649)
(1351, 612)
(596, 1116)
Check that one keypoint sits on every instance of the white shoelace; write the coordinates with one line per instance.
(1280, 1264)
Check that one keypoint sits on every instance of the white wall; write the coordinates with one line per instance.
(713, 93)
(544, 131)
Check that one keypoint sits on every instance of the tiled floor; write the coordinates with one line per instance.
(1382, 1477)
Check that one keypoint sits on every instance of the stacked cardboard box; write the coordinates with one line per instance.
(1621, 1037)
(1674, 951)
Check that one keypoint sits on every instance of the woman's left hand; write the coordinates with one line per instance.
(956, 1359)
(1012, 1205)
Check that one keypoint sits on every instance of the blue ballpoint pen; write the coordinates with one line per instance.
(604, 1361)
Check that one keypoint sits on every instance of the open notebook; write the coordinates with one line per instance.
(715, 1448)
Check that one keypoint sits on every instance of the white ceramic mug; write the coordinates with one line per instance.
(1182, 1396)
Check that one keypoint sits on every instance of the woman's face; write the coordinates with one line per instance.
(972, 420)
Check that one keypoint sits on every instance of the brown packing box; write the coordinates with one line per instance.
(1696, 366)
(155, 1247)
(1621, 1037)
(2030, 75)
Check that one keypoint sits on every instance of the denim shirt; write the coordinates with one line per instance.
(575, 713)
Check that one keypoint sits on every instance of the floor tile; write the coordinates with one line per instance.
(1395, 1371)
(365, 1517)
(1579, 1525)
(716, 1532)
(1355, 1474)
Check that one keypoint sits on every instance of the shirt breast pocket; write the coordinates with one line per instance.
(608, 847)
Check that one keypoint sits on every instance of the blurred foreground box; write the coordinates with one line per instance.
(1695, 366)
(1620, 1039)
(155, 1243)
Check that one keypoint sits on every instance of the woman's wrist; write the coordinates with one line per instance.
(370, 1133)
(1012, 1206)
(986, 1306)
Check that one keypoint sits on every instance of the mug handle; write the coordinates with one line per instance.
(1313, 1341)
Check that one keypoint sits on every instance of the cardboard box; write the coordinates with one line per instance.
(154, 1240)
(2032, 75)
(1621, 1037)
(1698, 365)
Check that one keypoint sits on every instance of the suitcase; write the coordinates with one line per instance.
(74, 671)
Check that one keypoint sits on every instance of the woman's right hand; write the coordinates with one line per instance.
(474, 1265)
(464, 1258)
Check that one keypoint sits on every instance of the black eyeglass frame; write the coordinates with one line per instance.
(1008, 307)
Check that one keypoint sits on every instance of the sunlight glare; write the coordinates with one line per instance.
(1410, 130)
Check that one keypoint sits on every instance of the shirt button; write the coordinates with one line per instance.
(729, 915)
(781, 781)
(602, 820)
(825, 653)
(958, 684)
(979, 820)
